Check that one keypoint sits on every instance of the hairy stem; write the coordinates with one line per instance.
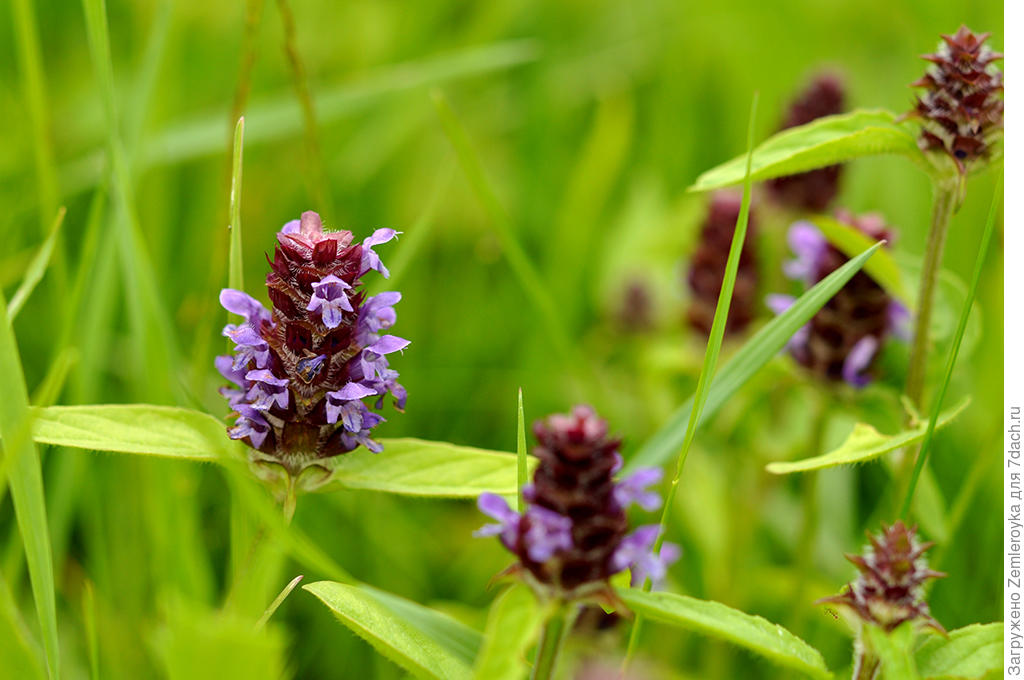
(552, 636)
(942, 212)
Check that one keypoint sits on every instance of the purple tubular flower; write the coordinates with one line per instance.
(633, 489)
(547, 533)
(636, 553)
(330, 299)
(299, 372)
(507, 528)
(370, 259)
(841, 341)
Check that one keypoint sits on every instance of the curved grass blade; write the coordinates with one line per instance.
(968, 653)
(416, 467)
(513, 625)
(277, 601)
(820, 143)
(36, 269)
(864, 444)
(425, 643)
(235, 271)
(26, 485)
(89, 623)
(522, 474)
(756, 352)
(922, 455)
(716, 620)
(520, 263)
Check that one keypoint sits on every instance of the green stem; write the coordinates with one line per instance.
(942, 212)
(809, 493)
(866, 667)
(552, 636)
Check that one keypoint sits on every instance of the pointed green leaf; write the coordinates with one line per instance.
(422, 468)
(521, 460)
(424, 642)
(864, 443)
(715, 619)
(968, 653)
(235, 270)
(820, 143)
(513, 625)
(36, 268)
(164, 431)
(756, 352)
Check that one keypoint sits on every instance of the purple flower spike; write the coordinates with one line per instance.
(330, 299)
(858, 361)
(267, 390)
(633, 489)
(495, 506)
(808, 245)
(547, 533)
(370, 259)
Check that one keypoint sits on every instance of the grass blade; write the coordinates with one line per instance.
(521, 476)
(37, 268)
(979, 264)
(26, 484)
(277, 601)
(89, 623)
(524, 270)
(757, 351)
(235, 271)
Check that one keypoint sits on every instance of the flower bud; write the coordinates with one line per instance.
(961, 110)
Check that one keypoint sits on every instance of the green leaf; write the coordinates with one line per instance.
(864, 443)
(882, 267)
(716, 620)
(416, 467)
(164, 431)
(820, 143)
(513, 625)
(25, 480)
(755, 353)
(894, 650)
(36, 268)
(426, 643)
(968, 653)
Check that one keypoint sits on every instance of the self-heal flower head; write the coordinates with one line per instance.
(961, 109)
(301, 370)
(814, 190)
(573, 534)
(842, 341)
(889, 589)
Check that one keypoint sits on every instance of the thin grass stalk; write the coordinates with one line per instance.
(979, 264)
(552, 638)
(714, 346)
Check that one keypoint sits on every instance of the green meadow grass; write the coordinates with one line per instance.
(536, 157)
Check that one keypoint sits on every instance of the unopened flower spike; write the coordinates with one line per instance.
(573, 535)
(301, 370)
(961, 109)
(814, 190)
(707, 267)
(841, 341)
(888, 590)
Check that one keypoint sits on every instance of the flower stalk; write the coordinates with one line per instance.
(552, 638)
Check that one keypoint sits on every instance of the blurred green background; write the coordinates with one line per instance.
(591, 119)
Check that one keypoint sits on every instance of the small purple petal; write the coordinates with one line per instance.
(290, 227)
(548, 533)
(858, 360)
(633, 489)
(237, 302)
(808, 245)
(635, 552)
(370, 259)
(267, 390)
(225, 366)
(388, 344)
(898, 317)
(330, 298)
(507, 527)
(352, 391)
